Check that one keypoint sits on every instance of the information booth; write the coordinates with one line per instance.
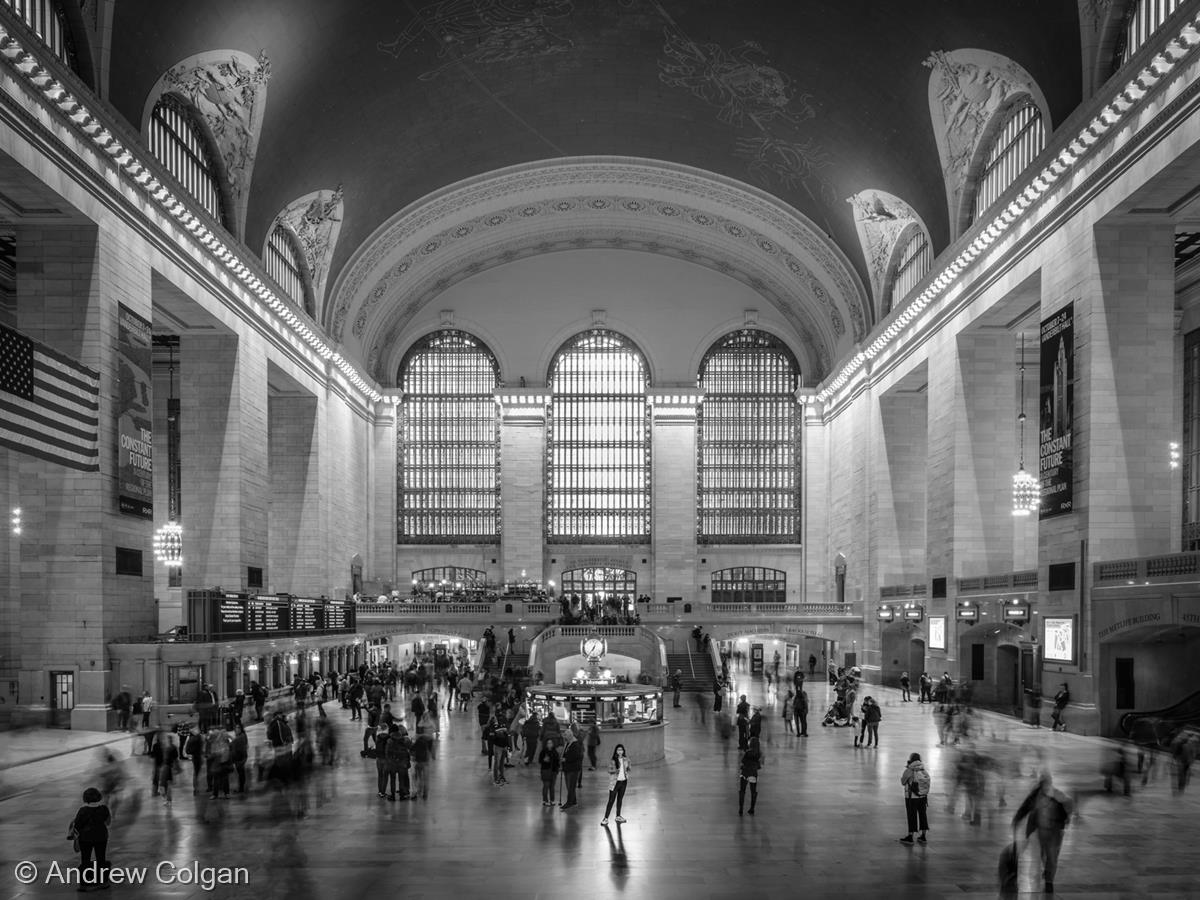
(627, 714)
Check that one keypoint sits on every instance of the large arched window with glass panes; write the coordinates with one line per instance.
(285, 264)
(913, 264)
(178, 142)
(747, 443)
(448, 484)
(598, 445)
(48, 21)
(1020, 138)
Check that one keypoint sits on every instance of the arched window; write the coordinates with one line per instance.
(913, 264)
(1142, 20)
(46, 19)
(179, 144)
(599, 442)
(749, 459)
(284, 264)
(1020, 138)
(748, 584)
(448, 483)
(450, 578)
(601, 586)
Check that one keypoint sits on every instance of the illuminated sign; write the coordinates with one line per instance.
(968, 613)
(917, 613)
(1059, 645)
(937, 632)
(1020, 611)
(886, 614)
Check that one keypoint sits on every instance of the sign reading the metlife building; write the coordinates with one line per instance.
(1056, 406)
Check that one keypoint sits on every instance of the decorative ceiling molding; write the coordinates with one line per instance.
(228, 89)
(582, 202)
(967, 88)
(881, 218)
(316, 220)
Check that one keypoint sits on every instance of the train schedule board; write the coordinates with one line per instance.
(218, 615)
(307, 615)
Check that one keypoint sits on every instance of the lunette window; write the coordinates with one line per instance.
(177, 142)
(1021, 137)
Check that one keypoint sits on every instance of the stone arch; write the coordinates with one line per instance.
(598, 202)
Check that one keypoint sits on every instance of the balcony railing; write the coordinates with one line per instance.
(1171, 567)
(649, 612)
(1025, 580)
(892, 591)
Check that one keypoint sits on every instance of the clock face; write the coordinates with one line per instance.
(593, 647)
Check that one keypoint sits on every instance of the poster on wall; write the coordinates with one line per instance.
(1059, 643)
(135, 457)
(937, 632)
(1056, 407)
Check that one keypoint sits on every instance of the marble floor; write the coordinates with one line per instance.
(827, 824)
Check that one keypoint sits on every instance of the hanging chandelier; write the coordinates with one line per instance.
(1026, 489)
(168, 545)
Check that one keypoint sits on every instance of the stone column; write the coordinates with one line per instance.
(522, 482)
(381, 564)
(814, 503)
(673, 514)
(224, 459)
(296, 541)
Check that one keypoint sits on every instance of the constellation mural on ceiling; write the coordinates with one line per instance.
(750, 94)
(484, 31)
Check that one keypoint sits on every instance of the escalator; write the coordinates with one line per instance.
(1158, 727)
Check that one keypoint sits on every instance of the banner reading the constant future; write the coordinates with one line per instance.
(1056, 410)
(135, 457)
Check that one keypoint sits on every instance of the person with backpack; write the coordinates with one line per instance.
(1048, 811)
(915, 781)
(1061, 700)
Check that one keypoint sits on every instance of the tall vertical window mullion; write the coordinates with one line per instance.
(1191, 441)
(915, 261)
(1022, 137)
(1142, 20)
(598, 446)
(748, 456)
(448, 477)
(178, 145)
(283, 264)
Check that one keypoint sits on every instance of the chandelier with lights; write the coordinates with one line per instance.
(1026, 490)
(168, 545)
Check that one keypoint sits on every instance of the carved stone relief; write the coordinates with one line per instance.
(228, 89)
(880, 218)
(967, 88)
(316, 220)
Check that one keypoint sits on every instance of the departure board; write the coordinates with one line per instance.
(226, 615)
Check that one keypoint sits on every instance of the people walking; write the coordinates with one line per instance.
(872, 714)
(572, 766)
(89, 829)
(751, 765)
(239, 752)
(926, 683)
(1049, 811)
(1061, 700)
(676, 686)
(905, 684)
(800, 711)
(789, 711)
(550, 764)
(618, 782)
(916, 782)
(593, 743)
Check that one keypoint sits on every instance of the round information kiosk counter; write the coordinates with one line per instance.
(627, 714)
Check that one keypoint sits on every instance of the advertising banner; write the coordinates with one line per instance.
(135, 456)
(1056, 407)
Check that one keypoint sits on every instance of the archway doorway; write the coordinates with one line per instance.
(902, 649)
(991, 666)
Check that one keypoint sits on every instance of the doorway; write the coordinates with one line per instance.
(62, 698)
(1008, 681)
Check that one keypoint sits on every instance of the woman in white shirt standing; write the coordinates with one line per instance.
(618, 781)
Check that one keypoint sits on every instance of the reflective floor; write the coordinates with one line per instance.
(827, 823)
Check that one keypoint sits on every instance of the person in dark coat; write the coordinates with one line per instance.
(90, 828)
(572, 766)
(1049, 811)
(751, 765)
(717, 698)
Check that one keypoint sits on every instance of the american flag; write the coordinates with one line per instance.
(49, 404)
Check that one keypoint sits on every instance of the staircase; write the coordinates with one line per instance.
(698, 671)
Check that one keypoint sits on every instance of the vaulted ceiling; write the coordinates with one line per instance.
(810, 103)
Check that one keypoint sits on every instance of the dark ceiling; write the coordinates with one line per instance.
(814, 102)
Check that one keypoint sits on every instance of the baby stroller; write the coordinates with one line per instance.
(838, 714)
